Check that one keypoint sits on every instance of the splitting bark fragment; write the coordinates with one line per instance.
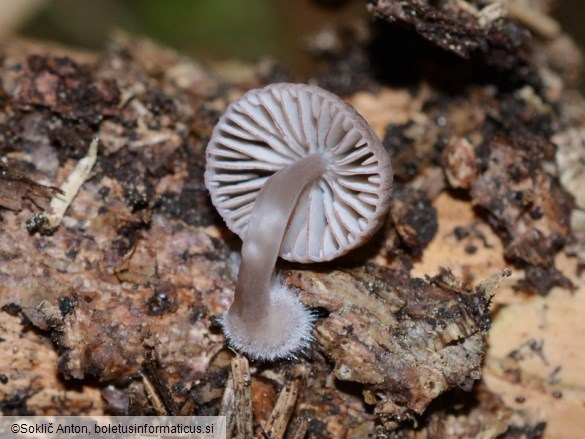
(242, 396)
(276, 426)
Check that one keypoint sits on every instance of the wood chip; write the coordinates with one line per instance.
(243, 397)
(276, 425)
(48, 222)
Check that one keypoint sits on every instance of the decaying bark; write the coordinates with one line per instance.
(114, 308)
(380, 334)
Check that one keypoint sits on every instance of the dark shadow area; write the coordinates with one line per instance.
(399, 56)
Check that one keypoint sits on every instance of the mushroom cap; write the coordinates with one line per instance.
(272, 127)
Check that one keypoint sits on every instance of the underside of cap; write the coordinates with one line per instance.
(270, 128)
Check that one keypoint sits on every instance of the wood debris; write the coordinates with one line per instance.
(16, 187)
(242, 397)
(47, 222)
(485, 134)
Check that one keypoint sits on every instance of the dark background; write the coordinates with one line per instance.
(214, 30)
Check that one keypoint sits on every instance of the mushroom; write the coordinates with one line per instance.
(295, 172)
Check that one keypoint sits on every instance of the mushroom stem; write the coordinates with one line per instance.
(304, 133)
(267, 227)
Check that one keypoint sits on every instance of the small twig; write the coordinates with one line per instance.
(277, 423)
(153, 397)
(227, 407)
(157, 388)
(243, 397)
